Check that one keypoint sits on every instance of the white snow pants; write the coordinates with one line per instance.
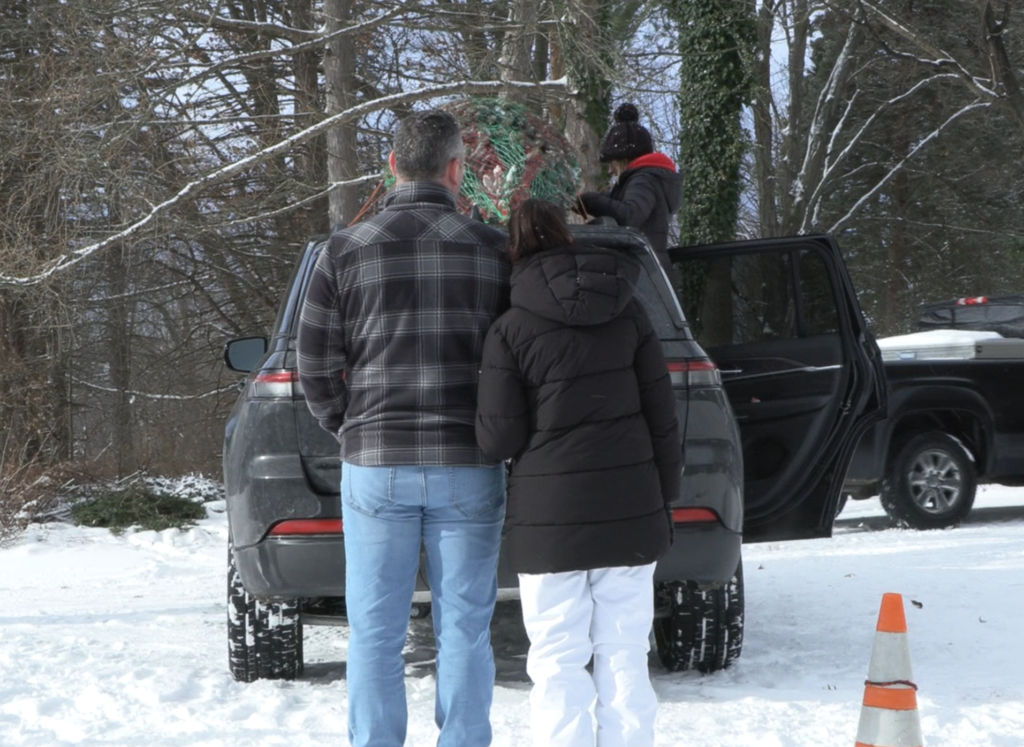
(570, 617)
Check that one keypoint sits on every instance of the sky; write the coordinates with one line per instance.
(109, 640)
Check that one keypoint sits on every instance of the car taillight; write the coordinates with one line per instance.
(694, 373)
(693, 515)
(274, 384)
(295, 527)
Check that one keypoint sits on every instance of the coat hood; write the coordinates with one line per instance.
(576, 285)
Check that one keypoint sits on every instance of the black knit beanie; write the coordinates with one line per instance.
(627, 138)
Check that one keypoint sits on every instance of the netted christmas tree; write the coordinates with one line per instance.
(511, 154)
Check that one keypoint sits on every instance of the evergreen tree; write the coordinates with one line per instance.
(945, 220)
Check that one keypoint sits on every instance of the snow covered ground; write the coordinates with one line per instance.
(110, 640)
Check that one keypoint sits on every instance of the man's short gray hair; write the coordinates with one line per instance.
(425, 143)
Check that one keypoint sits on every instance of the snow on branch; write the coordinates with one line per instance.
(268, 28)
(829, 100)
(895, 169)
(833, 164)
(941, 58)
(301, 203)
(73, 257)
(147, 395)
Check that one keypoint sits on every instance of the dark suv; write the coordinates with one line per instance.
(775, 375)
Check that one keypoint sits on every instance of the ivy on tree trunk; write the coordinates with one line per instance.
(716, 39)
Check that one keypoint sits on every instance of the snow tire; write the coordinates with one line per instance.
(930, 483)
(704, 628)
(264, 638)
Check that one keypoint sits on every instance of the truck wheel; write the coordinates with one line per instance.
(930, 484)
(704, 628)
(264, 638)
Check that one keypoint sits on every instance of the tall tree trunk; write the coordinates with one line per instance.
(764, 131)
(516, 62)
(18, 441)
(798, 24)
(586, 116)
(119, 358)
(899, 241)
(340, 72)
(314, 219)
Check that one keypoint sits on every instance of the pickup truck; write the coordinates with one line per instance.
(956, 419)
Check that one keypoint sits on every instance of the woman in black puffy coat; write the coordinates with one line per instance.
(575, 391)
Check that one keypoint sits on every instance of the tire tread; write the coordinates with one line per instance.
(704, 629)
(264, 637)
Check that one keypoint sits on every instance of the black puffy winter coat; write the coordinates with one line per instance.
(574, 388)
(645, 196)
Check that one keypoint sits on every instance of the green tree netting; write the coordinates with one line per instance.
(511, 154)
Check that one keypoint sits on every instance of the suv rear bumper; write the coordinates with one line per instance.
(707, 553)
(292, 567)
(297, 567)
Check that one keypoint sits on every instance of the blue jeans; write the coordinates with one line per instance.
(456, 513)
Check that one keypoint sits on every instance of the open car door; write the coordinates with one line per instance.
(803, 374)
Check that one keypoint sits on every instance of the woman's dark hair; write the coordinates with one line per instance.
(534, 226)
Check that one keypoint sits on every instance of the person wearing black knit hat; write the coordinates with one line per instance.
(648, 189)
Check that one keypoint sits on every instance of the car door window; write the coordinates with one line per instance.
(747, 299)
(817, 298)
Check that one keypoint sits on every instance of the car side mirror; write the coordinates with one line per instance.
(244, 353)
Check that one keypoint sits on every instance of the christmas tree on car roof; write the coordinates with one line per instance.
(511, 154)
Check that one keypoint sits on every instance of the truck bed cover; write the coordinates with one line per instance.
(950, 344)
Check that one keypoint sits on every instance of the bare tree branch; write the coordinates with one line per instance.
(813, 165)
(895, 169)
(74, 256)
(147, 395)
(831, 166)
(311, 199)
(940, 58)
(315, 43)
(1002, 69)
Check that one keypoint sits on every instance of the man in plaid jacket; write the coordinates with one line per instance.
(390, 342)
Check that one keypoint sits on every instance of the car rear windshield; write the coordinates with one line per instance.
(653, 288)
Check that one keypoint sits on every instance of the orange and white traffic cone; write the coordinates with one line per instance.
(889, 716)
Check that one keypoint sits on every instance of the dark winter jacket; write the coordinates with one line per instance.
(574, 388)
(645, 196)
(393, 327)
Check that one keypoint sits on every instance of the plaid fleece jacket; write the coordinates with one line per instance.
(393, 326)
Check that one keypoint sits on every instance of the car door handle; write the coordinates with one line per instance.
(789, 371)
